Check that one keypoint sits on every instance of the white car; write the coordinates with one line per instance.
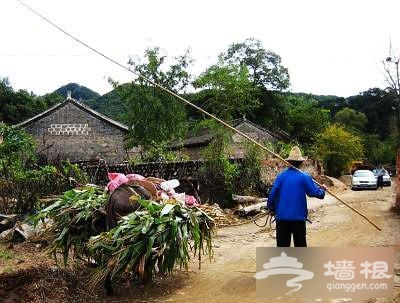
(363, 179)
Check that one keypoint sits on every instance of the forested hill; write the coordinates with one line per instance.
(111, 104)
(78, 92)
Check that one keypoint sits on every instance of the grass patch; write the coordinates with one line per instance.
(5, 254)
(8, 270)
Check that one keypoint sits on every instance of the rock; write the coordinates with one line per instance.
(24, 231)
(7, 235)
(7, 221)
(21, 231)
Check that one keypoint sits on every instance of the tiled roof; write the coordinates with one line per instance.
(205, 139)
(79, 105)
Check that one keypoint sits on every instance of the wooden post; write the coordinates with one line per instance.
(397, 204)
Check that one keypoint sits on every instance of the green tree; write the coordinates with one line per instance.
(331, 103)
(379, 151)
(248, 181)
(306, 120)
(265, 68)
(352, 119)
(155, 116)
(337, 147)
(218, 174)
(17, 106)
(272, 112)
(21, 180)
(17, 151)
(243, 80)
(231, 94)
(49, 100)
(378, 106)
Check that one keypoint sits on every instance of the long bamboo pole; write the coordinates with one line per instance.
(265, 149)
(190, 104)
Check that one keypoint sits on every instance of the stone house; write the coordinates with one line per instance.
(192, 147)
(71, 130)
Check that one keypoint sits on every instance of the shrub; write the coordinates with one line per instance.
(22, 181)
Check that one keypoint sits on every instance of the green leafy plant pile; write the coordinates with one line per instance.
(77, 215)
(155, 238)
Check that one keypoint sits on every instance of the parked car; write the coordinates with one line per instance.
(387, 181)
(363, 179)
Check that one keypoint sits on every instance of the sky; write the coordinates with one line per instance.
(329, 47)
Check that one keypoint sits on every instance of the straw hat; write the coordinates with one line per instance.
(295, 155)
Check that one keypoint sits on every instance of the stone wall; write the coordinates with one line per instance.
(72, 133)
(97, 172)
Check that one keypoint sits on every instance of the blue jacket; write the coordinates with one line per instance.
(288, 195)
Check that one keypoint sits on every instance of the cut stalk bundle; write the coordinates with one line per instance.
(155, 238)
(77, 215)
(152, 239)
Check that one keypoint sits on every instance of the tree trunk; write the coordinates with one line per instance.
(397, 204)
(247, 199)
(254, 208)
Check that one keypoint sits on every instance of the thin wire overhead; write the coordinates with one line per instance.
(190, 104)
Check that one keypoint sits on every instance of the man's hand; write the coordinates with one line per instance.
(324, 187)
(263, 208)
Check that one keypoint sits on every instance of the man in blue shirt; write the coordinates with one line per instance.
(380, 172)
(288, 201)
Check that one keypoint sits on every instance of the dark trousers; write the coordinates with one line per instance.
(285, 230)
(380, 181)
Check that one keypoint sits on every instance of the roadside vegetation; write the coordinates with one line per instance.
(22, 180)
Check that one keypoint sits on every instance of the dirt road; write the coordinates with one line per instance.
(229, 277)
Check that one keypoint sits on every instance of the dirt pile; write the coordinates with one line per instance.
(333, 184)
(42, 284)
(28, 274)
(338, 185)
